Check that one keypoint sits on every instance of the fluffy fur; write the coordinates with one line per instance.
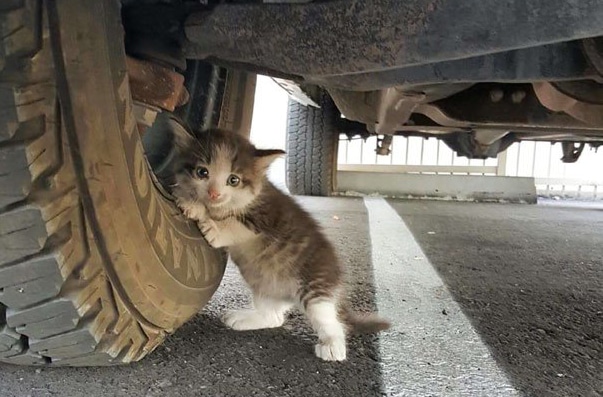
(282, 254)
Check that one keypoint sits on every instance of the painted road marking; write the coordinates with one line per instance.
(426, 353)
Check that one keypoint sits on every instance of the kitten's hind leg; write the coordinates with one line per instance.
(322, 314)
(267, 313)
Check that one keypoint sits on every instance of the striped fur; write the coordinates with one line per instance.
(278, 247)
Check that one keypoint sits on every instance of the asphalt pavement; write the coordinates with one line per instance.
(485, 300)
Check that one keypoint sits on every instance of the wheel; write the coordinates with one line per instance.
(97, 266)
(312, 141)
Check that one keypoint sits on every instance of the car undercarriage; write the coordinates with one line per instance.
(480, 75)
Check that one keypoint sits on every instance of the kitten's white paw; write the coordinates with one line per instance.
(210, 231)
(335, 350)
(197, 212)
(247, 319)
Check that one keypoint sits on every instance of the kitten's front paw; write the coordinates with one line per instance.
(209, 229)
(197, 212)
(334, 350)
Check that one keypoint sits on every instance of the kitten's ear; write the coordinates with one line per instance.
(265, 157)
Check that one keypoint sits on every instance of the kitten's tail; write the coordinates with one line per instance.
(363, 323)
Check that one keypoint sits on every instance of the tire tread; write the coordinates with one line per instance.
(312, 139)
(57, 306)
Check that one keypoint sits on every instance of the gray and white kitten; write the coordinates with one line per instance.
(220, 181)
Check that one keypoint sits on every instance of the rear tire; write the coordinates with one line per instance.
(312, 142)
(97, 266)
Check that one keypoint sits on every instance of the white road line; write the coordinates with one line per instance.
(426, 353)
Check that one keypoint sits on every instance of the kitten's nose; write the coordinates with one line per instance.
(213, 194)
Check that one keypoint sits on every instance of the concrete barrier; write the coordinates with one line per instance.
(453, 187)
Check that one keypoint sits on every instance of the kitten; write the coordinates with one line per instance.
(220, 181)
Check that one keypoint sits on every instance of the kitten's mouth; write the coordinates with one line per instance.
(216, 204)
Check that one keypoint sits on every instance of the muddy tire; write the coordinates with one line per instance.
(96, 265)
(312, 142)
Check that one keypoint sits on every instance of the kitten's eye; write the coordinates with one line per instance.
(201, 173)
(233, 180)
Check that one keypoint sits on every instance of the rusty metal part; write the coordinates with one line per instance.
(572, 151)
(557, 101)
(156, 85)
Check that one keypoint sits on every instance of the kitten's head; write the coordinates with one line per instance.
(219, 169)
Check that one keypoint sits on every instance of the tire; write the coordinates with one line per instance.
(97, 266)
(312, 142)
